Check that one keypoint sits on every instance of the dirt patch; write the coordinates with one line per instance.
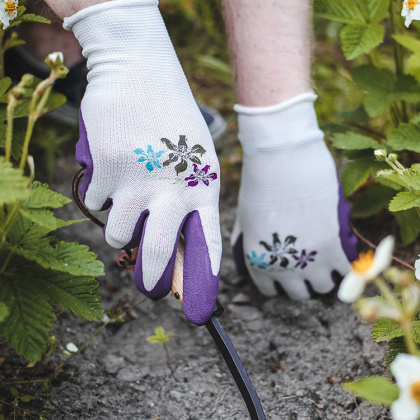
(298, 354)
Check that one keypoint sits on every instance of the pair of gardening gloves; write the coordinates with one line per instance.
(149, 156)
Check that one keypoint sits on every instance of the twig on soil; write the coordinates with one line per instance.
(218, 400)
(374, 247)
(358, 409)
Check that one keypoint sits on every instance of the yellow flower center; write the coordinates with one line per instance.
(11, 6)
(415, 391)
(364, 262)
(409, 4)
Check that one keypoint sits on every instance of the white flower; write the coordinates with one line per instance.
(55, 59)
(71, 347)
(406, 370)
(8, 11)
(365, 269)
(417, 267)
(411, 11)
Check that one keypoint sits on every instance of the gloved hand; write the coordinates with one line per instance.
(292, 228)
(147, 149)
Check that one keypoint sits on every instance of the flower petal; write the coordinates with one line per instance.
(195, 168)
(192, 176)
(141, 159)
(382, 258)
(192, 183)
(206, 169)
(351, 287)
(406, 369)
(150, 149)
(405, 408)
(213, 176)
(149, 166)
(205, 182)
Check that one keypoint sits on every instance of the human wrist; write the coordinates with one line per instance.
(63, 8)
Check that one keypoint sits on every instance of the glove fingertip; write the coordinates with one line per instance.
(239, 255)
(200, 284)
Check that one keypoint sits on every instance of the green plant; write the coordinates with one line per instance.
(387, 119)
(161, 337)
(37, 270)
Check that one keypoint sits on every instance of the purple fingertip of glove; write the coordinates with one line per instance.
(200, 285)
(84, 158)
(347, 237)
(239, 256)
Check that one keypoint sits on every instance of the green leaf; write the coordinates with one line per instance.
(13, 185)
(415, 327)
(411, 177)
(67, 257)
(371, 200)
(355, 174)
(409, 223)
(390, 179)
(407, 89)
(4, 311)
(338, 10)
(80, 294)
(5, 83)
(30, 318)
(395, 347)
(26, 398)
(375, 389)
(360, 39)
(376, 9)
(21, 11)
(379, 87)
(13, 391)
(55, 100)
(406, 137)
(412, 44)
(30, 17)
(404, 200)
(14, 22)
(18, 139)
(414, 66)
(384, 329)
(160, 336)
(351, 141)
(43, 197)
(46, 219)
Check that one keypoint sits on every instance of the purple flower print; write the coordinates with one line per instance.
(200, 175)
(303, 259)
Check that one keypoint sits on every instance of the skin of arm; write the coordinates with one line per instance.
(64, 8)
(270, 49)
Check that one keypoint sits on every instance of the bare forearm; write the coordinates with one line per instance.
(63, 8)
(270, 48)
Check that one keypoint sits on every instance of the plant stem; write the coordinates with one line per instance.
(35, 110)
(10, 110)
(9, 257)
(386, 292)
(408, 336)
(168, 357)
(1, 54)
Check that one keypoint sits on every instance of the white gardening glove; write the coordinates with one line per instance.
(292, 229)
(147, 148)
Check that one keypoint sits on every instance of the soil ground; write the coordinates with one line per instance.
(298, 354)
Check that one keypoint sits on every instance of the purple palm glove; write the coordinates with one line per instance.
(147, 150)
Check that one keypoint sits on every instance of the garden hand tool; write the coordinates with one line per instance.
(127, 261)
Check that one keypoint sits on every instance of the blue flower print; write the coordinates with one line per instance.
(257, 260)
(304, 258)
(150, 157)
